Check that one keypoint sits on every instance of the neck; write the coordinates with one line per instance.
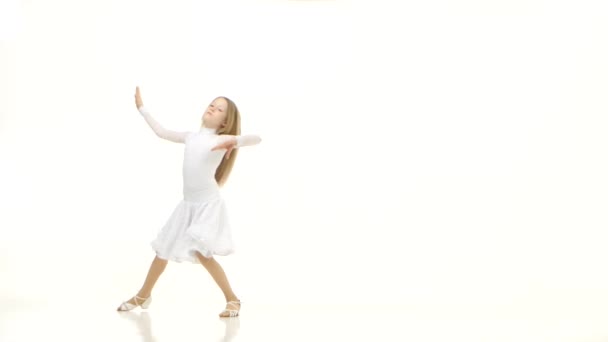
(207, 129)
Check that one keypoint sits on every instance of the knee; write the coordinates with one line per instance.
(203, 259)
(160, 262)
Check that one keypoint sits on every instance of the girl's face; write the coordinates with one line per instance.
(215, 114)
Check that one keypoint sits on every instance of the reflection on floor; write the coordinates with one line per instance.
(77, 319)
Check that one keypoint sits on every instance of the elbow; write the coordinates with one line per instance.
(160, 133)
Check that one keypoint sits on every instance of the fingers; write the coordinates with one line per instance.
(138, 102)
(228, 146)
(218, 147)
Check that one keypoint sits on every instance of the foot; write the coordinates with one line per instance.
(134, 302)
(232, 309)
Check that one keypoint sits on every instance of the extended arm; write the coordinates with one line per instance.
(159, 130)
(247, 140)
(229, 142)
(236, 141)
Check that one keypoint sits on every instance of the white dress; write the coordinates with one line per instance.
(199, 222)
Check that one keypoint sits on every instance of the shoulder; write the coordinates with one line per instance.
(188, 135)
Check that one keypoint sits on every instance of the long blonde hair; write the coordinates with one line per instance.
(232, 127)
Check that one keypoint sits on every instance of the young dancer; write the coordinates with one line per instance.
(198, 228)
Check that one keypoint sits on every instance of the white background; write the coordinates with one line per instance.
(438, 151)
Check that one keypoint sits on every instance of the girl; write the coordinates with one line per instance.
(198, 228)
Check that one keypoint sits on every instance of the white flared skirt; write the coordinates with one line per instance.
(195, 227)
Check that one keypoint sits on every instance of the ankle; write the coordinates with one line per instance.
(143, 294)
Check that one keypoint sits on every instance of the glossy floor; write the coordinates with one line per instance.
(47, 294)
(91, 319)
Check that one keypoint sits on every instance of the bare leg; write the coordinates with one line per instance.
(156, 269)
(218, 274)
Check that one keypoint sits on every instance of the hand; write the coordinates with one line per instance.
(138, 102)
(228, 145)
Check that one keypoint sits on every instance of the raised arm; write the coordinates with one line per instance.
(159, 130)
